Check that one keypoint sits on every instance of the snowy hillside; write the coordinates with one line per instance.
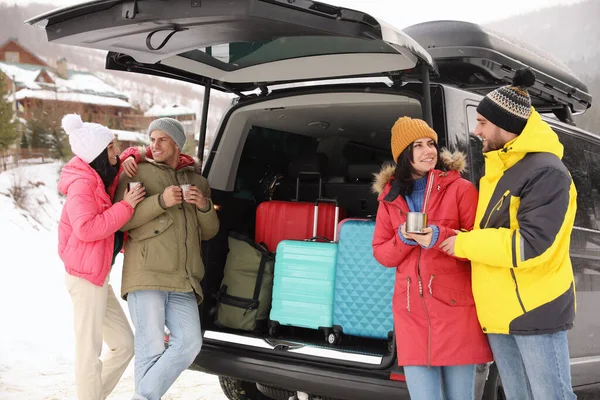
(36, 339)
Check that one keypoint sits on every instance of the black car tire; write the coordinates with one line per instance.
(281, 394)
(274, 392)
(493, 386)
(235, 389)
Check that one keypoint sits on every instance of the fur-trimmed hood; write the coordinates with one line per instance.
(452, 161)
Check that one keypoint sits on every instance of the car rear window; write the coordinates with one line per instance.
(233, 56)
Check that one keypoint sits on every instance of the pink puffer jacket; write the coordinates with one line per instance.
(88, 222)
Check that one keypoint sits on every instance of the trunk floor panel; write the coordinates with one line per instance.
(361, 352)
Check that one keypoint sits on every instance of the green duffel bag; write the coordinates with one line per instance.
(244, 300)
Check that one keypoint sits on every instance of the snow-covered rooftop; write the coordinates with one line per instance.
(85, 82)
(168, 111)
(79, 85)
(22, 74)
(71, 97)
(131, 136)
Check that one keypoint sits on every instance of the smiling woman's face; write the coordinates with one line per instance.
(424, 156)
(113, 153)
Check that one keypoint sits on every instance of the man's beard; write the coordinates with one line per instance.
(494, 143)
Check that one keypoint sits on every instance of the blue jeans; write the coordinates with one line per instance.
(156, 368)
(533, 366)
(456, 382)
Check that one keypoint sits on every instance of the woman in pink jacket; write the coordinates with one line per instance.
(88, 241)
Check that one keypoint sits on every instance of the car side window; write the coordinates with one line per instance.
(475, 154)
(582, 159)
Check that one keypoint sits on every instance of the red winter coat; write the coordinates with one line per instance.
(435, 321)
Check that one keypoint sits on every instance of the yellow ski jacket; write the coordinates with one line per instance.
(519, 247)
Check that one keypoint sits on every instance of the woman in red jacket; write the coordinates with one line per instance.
(88, 241)
(439, 340)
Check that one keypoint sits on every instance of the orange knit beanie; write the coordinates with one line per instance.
(406, 130)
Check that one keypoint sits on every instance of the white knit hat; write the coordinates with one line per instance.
(87, 139)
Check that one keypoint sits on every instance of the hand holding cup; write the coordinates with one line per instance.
(172, 196)
(134, 193)
(193, 195)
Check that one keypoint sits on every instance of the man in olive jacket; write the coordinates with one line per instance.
(163, 267)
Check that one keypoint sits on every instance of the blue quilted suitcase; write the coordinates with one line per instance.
(303, 282)
(363, 287)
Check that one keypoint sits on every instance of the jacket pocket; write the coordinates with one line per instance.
(158, 243)
(452, 297)
(401, 299)
(151, 229)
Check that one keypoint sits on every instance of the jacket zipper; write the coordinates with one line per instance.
(514, 277)
(430, 182)
(496, 207)
(426, 310)
(408, 293)
(429, 286)
(187, 276)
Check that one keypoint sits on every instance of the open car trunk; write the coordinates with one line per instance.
(349, 131)
(239, 46)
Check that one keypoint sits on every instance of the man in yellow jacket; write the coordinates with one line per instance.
(519, 248)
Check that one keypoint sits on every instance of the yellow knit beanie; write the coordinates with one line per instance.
(406, 130)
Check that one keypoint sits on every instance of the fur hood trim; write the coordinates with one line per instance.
(146, 153)
(452, 161)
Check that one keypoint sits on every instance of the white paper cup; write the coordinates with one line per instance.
(133, 185)
(185, 189)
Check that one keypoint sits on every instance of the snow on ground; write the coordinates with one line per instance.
(36, 335)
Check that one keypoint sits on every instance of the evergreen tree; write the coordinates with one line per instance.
(24, 141)
(8, 127)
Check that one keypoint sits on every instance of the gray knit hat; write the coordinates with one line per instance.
(171, 127)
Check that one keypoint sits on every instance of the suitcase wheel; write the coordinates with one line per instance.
(273, 328)
(333, 338)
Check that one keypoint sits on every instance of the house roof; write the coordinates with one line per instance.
(22, 74)
(168, 111)
(73, 97)
(13, 45)
(79, 86)
(131, 136)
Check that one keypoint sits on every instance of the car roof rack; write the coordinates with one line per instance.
(478, 60)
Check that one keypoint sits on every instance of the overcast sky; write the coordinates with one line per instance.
(405, 13)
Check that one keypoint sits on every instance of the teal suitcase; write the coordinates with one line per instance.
(304, 281)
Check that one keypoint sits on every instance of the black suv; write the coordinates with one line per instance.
(318, 87)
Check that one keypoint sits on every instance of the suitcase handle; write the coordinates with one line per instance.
(335, 221)
(298, 183)
(317, 238)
